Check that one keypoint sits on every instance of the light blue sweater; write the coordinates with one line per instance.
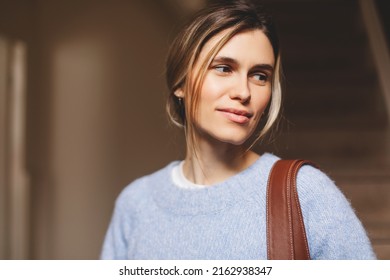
(154, 219)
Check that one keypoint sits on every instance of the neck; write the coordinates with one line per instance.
(212, 163)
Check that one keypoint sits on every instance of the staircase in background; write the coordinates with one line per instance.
(334, 110)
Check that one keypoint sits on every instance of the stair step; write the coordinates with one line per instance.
(382, 251)
(348, 146)
(371, 201)
(332, 58)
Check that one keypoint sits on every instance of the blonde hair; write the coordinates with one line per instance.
(232, 18)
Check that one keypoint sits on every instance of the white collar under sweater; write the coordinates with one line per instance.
(181, 181)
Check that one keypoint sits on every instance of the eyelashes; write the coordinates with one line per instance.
(260, 78)
(223, 68)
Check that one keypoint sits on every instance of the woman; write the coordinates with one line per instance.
(223, 73)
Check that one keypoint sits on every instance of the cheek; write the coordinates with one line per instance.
(267, 98)
(262, 99)
(212, 88)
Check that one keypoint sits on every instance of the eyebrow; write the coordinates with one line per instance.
(226, 59)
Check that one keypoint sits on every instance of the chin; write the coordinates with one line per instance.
(235, 140)
(236, 137)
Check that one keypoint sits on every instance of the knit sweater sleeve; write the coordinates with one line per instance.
(332, 227)
(115, 246)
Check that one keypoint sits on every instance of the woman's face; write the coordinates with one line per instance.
(236, 88)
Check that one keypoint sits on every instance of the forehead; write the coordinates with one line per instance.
(250, 46)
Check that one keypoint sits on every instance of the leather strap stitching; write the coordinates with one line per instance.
(289, 210)
(300, 216)
(269, 201)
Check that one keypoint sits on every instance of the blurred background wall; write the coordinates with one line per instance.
(86, 79)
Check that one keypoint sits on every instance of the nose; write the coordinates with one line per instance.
(241, 90)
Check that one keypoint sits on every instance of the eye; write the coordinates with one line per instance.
(260, 78)
(223, 68)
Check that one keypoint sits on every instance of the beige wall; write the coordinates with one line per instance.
(96, 117)
(106, 115)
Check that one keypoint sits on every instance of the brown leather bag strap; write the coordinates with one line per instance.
(286, 236)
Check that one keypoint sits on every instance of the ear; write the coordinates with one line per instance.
(179, 93)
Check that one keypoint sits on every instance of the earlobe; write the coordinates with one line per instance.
(179, 93)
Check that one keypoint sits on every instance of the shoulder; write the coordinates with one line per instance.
(137, 193)
(316, 189)
(334, 231)
(318, 193)
(312, 181)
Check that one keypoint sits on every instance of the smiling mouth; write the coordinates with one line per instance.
(236, 116)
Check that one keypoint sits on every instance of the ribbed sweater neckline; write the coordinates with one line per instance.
(238, 188)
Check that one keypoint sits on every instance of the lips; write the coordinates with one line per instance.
(236, 115)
